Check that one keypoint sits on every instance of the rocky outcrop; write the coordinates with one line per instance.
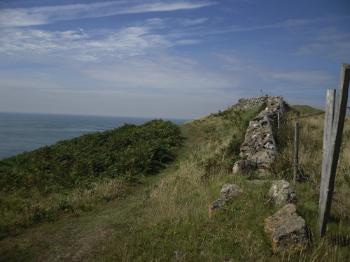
(259, 148)
(227, 193)
(281, 193)
(286, 229)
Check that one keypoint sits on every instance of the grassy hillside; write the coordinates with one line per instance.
(166, 217)
(68, 176)
(306, 110)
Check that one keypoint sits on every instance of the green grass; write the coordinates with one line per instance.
(166, 216)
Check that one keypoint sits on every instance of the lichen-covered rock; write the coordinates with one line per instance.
(281, 193)
(227, 192)
(286, 229)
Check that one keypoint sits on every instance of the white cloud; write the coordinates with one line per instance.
(165, 7)
(93, 45)
(129, 41)
(192, 21)
(49, 14)
(163, 73)
(285, 24)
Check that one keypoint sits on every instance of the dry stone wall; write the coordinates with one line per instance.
(286, 229)
(259, 148)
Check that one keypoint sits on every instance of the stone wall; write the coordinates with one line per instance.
(259, 148)
(249, 103)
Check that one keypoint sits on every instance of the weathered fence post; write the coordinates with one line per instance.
(333, 129)
(296, 151)
(327, 131)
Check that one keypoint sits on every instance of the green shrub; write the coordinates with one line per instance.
(128, 150)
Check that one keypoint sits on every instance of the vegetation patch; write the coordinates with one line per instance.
(72, 174)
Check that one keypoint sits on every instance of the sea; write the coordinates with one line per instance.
(21, 132)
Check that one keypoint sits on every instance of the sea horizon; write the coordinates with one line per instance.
(91, 115)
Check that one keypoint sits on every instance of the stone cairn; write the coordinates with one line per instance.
(259, 148)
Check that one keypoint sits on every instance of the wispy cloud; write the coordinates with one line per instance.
(301, 78)
(81, 45)
(328, 42)
(285, 24)
(92, 45)
(305, 77)
(162, 72)
(49, 14)
(193, 21)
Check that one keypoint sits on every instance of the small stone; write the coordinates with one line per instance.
(218, 203)
(286, 229)
(281, 192)
(229, 191)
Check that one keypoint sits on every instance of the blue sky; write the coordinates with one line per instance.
(160, 58)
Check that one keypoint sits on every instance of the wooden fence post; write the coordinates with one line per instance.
(296, 151)
(327, 131)
(333, 129)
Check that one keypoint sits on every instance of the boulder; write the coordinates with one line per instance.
(287, 230)
(281, 193)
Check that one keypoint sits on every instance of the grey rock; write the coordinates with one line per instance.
(217, 204)
(281, 192)
(287, 230)
(227, 193)
(243, 167)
